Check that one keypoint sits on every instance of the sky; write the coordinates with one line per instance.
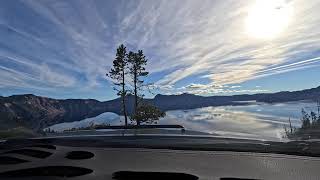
(63, 49)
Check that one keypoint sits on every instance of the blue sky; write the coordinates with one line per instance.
(63, 49)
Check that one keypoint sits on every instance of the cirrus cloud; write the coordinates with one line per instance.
(55, 45)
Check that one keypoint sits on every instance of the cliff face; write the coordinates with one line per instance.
(36, 112)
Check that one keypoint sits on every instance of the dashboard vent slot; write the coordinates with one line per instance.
(138, 175)
(77, 155)
(57, 171)
(30, 152)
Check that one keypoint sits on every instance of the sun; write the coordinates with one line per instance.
(267, 19)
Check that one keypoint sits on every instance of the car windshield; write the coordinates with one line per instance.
(238, 69)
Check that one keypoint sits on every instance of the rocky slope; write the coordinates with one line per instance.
(37, 112)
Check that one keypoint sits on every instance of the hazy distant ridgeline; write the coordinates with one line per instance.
(189, 101)
(38, 112)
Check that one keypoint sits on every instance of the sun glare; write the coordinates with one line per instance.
(268, 18)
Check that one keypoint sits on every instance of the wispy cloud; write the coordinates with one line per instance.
(68, 44)
(212, 89)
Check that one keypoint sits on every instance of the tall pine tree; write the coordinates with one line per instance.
(137, 62)
(117, 73)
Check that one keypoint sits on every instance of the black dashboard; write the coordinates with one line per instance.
(109, 158)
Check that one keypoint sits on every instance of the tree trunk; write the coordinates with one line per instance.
(135, 95)
(123, 101)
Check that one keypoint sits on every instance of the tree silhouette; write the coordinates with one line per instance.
(147, 113)
(137, 70)
(305, 120)
(134, 64)
(117, 73)
(310, 126)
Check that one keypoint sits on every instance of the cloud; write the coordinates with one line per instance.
(230, 56)
(233, 87)
(55, 78)
(212, 89)
(67, 44)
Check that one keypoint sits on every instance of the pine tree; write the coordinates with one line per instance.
(137, 70)
(117, 73)
(147, 113)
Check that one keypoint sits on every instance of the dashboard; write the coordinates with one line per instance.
(66, 162)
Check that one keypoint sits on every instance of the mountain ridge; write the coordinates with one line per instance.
(37, 112)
